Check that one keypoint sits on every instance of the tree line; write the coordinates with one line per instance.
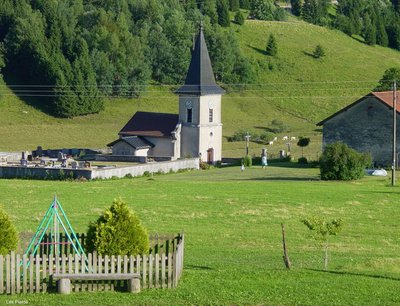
(76, 52)
(377, 22)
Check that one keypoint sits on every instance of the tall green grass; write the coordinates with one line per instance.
(231, 220)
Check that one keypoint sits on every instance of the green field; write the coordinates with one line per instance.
(231, 220)
(294, 87)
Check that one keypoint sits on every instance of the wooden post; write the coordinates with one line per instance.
(286, 259)
(1, 274)
(37, 273)
(12, 273)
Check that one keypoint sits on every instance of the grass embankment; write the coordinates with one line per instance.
(232, 223)
(294, 87)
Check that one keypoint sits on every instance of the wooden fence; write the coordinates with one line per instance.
(158, 243)
(32, 274)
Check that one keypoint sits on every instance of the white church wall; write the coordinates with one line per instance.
(163, 147)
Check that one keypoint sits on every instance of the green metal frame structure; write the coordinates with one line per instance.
(55, 220)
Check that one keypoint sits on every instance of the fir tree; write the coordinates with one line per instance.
(296, 7)
(223, 13)
(245, 4)
(239, 18)
(234, 5)
(272, 48)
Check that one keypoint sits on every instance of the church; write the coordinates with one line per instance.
(195, 132)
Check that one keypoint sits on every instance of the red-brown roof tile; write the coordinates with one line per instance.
(387, 98)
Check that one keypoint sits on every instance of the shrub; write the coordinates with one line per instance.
(272, 47)
(247, 161)
(239, 135)
(204, 166)
(239, 18)
(278, 126)
(339, 162)
(302, 160)
(118, 231)
(319, 51)
(9, 235)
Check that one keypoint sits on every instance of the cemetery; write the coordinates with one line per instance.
(66, 164)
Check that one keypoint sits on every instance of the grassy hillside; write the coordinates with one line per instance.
(294, 87)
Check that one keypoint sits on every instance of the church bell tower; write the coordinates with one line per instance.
(200, 108)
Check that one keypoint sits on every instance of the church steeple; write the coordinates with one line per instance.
(200, 77)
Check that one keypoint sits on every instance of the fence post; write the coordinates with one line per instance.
(1, 274)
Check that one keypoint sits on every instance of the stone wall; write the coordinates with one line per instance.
(139, 170)
(101, 173)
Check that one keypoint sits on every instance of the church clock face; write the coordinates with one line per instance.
(210, 104)
(188, 103)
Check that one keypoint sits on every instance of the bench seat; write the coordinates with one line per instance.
(64, 280)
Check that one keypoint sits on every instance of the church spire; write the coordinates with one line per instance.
(200, 77)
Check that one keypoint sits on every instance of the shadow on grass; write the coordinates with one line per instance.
(261, 51)
(36, 96)
(356, 274)
(282, 178)
(308, 54)
(194, 267)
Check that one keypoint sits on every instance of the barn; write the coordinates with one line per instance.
(366, 126)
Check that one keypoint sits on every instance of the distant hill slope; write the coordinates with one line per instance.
(293, 87)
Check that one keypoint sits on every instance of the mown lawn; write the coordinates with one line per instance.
(232, 220)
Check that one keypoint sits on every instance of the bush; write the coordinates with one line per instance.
(278, 126)
(204, 166)
(239, 18)
(247, 161)
(319, 51)
(9, 235)
(339, 162)
(272, 47)
(302, 160)
(239, 135)
(118, 231)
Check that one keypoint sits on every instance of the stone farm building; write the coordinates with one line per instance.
(366, 126)
(195, 132)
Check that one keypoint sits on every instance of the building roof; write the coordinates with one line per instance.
(135, 142)
(385, 97)
(150, 124)
(200, 78)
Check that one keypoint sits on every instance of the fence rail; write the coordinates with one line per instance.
(32, 274)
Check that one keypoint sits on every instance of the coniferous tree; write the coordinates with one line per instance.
(234, 5)
(239, 18)
(272, 48)
(245, 4)
(296, 7)
(319, 52)
(263, 9)
(223, 13)
(310, 11)
(209, 8)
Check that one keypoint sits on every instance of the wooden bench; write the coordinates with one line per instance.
(64, 280)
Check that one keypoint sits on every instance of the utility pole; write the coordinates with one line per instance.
(394, 132)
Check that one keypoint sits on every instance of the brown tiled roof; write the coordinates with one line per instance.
(150, 124)
(385, 97)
